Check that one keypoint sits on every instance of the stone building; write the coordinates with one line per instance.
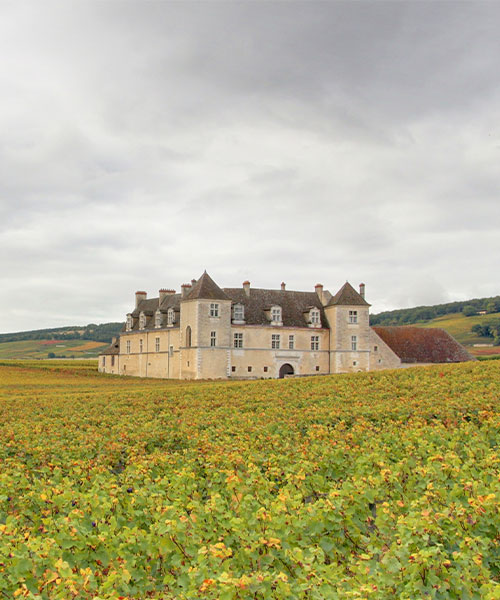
(208, 332)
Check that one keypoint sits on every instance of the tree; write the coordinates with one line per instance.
(51, 355)
(468, 310)
(493, 306)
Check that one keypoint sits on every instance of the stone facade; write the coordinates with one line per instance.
(211, 333)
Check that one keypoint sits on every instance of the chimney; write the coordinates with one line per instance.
(283, 286)
(246, 287)
(139, 297)
(185, 289)
(362, 290)
(318, 288)
(163, 293)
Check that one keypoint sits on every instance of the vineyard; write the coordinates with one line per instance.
(365, 486)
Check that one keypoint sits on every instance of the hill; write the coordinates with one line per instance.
(98, 333)
(451, 318)
(58, 342)
(411, 316)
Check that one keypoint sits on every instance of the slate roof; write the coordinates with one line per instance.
(423, 344)
(207, 289)
(347, 296)
(114, 348)
(150, 306)
(293, 305)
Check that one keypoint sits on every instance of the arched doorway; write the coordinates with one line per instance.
(286, 369)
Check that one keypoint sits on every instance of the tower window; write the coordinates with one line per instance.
(354, 342)
(353, 316)
(214, 309)
(213, 338)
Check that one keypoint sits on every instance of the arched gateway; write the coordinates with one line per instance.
(286, 369)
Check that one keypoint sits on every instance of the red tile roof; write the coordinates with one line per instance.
(423, 344)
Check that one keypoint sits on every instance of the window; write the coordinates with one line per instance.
(233, 369)
(103, 361)
(353, 316)
(213, 338)
(315, 342)
(238, 340)
(170, 351)
(112, 361)
(128, 346)
(265, 369)
(275, 341)
(314, 316)
(249, 369)
(354, 363)
(238, 312)
(142, 320)
(375, 348)
(317, 367)
(157, 344)
(276, 314)
(188, 336)
(291, 342)
(140, 345)
(170, 316)
(130, 322)
(214, 309)
(354, 342)
(158, 319)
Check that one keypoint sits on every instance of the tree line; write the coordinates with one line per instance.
(92, 332)
(408, 316)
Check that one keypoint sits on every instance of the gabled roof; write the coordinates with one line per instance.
(423, 344)
(348, 296)
(206, 288)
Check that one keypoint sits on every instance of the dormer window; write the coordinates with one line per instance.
(170, 317)
(314, 317)
(276, 314)
(238, 312)
(130, 323)
(142, 320)
(158, 319)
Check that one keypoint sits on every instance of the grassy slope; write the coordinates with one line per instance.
(459, 326)
(30, 349)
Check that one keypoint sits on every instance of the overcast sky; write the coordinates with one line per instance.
(143, 142)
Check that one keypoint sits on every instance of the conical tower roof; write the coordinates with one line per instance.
(207, 289)
(347, 296)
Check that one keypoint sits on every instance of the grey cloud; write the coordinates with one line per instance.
(141, 143)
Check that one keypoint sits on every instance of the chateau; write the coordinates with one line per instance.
(208, 332)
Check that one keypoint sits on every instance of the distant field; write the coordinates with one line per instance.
(459, 327)
(36, 349)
